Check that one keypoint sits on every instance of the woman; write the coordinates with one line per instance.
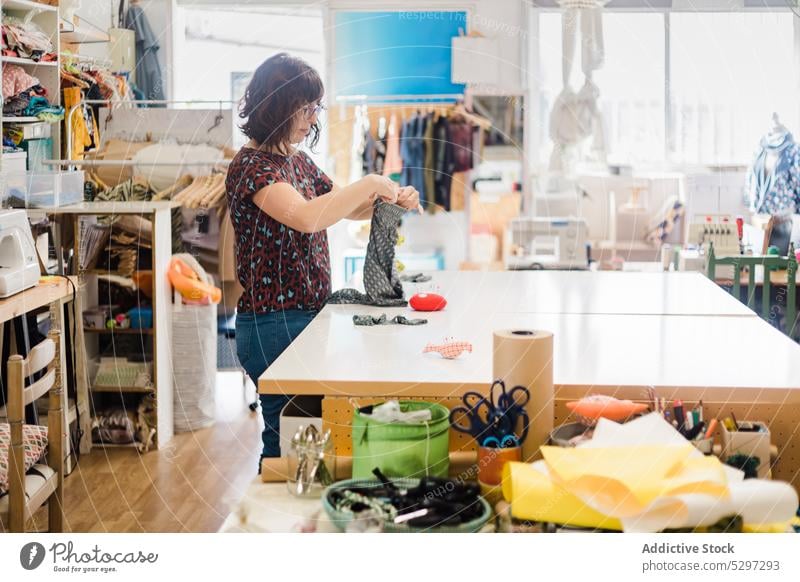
(280, 204)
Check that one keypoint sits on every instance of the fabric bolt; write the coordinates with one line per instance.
(279, 268)
(370, 320)
(429, 170)
(148, 69)
(381, 283)
(393, 163)
(16, 80)
(775, 192)
(260, 339)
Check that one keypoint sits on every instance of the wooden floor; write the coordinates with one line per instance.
(186, 487)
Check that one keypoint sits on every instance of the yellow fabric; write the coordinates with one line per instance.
(623, 481)
(533, 496)
(80, 133)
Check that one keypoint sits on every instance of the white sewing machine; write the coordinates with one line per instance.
(547, 243)
(19, 265)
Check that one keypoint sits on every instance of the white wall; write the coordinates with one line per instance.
(99, 13)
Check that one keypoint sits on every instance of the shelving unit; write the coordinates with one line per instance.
(156, 341)
(119, 331)
(47, 18)
(81, 33)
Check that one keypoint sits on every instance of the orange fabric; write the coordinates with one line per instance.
(185, 280)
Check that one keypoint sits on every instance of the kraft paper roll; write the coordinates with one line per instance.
(524, 357)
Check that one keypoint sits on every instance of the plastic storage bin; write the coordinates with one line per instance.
(15, 162)
(141, 317)
(43, 189)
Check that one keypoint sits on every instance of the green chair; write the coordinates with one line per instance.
(769, 263)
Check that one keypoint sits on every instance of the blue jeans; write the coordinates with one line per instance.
(260, 339)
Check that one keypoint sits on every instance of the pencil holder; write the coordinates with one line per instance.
(492, 460)
(751, 444)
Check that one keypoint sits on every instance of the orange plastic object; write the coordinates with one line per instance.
(144, 281)
(599, 406)
(188, 284)
(491, 462)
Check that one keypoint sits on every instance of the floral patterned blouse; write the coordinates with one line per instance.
(279, 268)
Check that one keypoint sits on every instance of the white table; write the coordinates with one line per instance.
(615, 333)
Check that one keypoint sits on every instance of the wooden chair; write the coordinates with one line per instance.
(769, 263)
(44, 482)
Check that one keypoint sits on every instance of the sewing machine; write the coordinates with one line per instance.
(547, 243)
(719, 229)
(19, 265)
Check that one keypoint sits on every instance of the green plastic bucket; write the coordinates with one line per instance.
(402, 450)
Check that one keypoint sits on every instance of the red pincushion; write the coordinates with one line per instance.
(427, 302)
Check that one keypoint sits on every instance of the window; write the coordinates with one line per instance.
(727, 73)
(218, 50)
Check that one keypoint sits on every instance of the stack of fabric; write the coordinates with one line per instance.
(23, 96)
(642, 476)
(26, 40)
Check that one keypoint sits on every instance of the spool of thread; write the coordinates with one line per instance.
(524, 357)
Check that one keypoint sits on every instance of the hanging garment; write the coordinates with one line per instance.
(360, 133)
(576, 116)
(394, 162)
(444, 163)
(429, 171)
(461, 136)
(412, 150)
(370, 320)
(148, 70)
(776, 192)
(381, 283)
(80, 132)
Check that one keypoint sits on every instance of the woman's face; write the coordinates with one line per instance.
(303, 120)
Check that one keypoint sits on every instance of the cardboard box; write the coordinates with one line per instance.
(299, 411)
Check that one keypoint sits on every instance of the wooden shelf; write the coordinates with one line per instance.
(118, 331)
(77, 34)
(28, 5)
(25, 120)
(24, 61)
(115, 389)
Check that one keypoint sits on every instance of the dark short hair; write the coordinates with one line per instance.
(280, 87)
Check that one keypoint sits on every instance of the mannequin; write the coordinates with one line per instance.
(773, 182)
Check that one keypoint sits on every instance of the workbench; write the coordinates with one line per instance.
(614, 333)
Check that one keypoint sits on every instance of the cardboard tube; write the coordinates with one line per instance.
(524, 357)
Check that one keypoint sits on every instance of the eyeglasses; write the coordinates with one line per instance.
(312, 110)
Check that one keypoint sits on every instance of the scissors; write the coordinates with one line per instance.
(510, 410)
(478, 417)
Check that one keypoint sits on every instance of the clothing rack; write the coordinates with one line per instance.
(400, 99)
(131, 105)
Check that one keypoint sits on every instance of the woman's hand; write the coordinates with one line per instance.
(384, 188)
(408, 198)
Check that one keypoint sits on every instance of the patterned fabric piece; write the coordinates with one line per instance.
(34, 439)
(279, 268)
(35, 478)
(369, 320)
(416, 278)
(449, 350)
(776, 192)
(381, 283)
(16, 80)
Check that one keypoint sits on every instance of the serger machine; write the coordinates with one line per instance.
(19, 266)
(548, 243)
